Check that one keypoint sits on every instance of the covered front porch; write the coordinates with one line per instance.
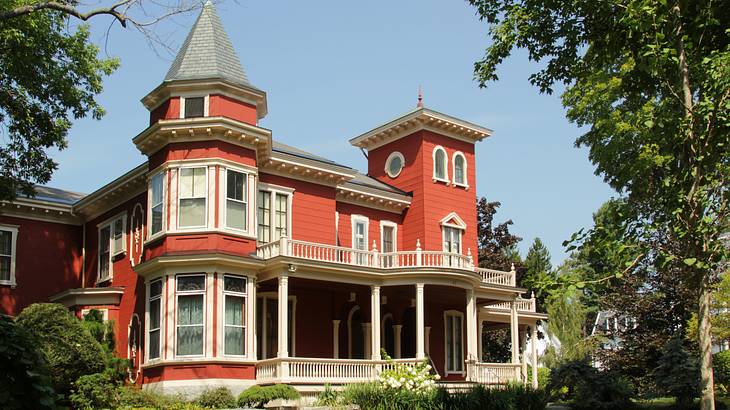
(333, 332)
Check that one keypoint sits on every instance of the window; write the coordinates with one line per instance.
(388, 242)
(153, 332)
(8, 238)
(112, 242)
(194, 107)
(439, 164)
(360, 238)
(234, 326)
(394, 164)
(454, 344)
(452, 239)
(193, 189)
(156, 203)
(236, 203)
(190, 315)
(460, 170)
(273, 225)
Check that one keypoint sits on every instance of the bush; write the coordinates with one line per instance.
(25, 376)
(257, 396)
(218, 398)
(328, 397)
(511, 397)
(67, 347)
(132, 397)
(589, 388)
(375, 396)
(543, 376)
(678, 373)
(95, 391)
(721, 369)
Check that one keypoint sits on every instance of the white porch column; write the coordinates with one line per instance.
(396, 340)
(375, 320)
(533, 350)
(420, 347)
(367, 336)
(335, 339)
(283, 331)
(251, 319)
(480, 348)
(471, 325)
(523, 352)
(514, 335)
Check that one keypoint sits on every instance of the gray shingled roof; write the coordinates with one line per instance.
(207, 53)
(61, 196)
(288, 149)
(367, 180)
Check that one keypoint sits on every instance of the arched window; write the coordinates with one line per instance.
(439, 164)
(460, 170)
(355, 334)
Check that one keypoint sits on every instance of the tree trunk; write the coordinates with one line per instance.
(707, 383)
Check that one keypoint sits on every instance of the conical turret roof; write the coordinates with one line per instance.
(207, 53)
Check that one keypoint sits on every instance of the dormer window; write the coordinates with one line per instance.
(439, 165)
(460, 170)
(193, 107)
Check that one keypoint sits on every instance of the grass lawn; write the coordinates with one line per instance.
(666, 403)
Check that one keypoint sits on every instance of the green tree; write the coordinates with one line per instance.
(538, 268)
(496, 242)
(650, 81)
(677, 373)
(67, 347)
(568, 328)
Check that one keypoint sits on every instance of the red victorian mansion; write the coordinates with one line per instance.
(228, 258)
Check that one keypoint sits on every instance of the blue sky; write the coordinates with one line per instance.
(335, 69)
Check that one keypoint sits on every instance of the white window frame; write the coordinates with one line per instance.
(273, 191)
(460, 231)
(445, 179)
(204, 293)
(465, 182)
(355, 219)
(264, 296)
(246, 200)
(447, 314)
(393, 225)
(150, 235)
(13, 253)
(113, 251)
(205, 195)
(222, 315)
(206, 104)
(394, 154)
(163, 316)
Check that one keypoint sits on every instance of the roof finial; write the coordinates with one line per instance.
(420, 97)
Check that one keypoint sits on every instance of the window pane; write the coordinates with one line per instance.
(6, 245)
(234, 310)
(194, 107)
(154, 341)
(192, 182)
(190, 310)
(190, 283)
(388, 239)
(282, 203)
(459, 357)
(156, 219)
(4, 267)
(155, 288)
(192, 212)
(440, 164)
(156, 184)
(234, 340)
(190, 340)
(264, 216)
(449, 343)
(235, 215)
(155, 314)
(118, 237)
(459, 169)
(236, 185)
(395, 165)
(104, 240)
(234, 284)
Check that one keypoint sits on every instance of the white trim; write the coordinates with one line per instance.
(163, 173)
(273, 191)
(355, 219)
(393, 155)
(445, 179)
(180, 198)
(13, 253)
(205, 311)
(460, 224)
(454, 313)
(163, 317)
(206, 103)
(465, 182)
(222, 294)
(393, 225)
(223, 211)
(113, 251)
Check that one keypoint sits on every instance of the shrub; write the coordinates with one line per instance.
(67, 347)
(95, 391)
(677, 373)
(511, 397)
(25, 376)
(589, 388)
(403, 376)
(218, 398)
(543, 376)
(257, 396)
(721, 369)
(375, 396)
(132, 397)
(328, 397)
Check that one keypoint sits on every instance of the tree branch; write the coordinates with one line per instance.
(70, 10)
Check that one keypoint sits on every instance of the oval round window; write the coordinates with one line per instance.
(394, 164)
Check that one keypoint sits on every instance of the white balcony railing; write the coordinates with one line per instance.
(493, 373)
(523, 305)
(310, 370)
(374, 259)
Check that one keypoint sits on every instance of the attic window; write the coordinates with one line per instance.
(194, 107)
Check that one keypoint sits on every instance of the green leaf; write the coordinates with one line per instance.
(689, 261)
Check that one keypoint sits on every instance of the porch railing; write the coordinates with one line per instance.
(493, 373)
(374, 259)
(315, 370)
(523, 305)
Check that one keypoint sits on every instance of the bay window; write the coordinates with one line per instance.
(156, 203)
(234, 325)
(8, 239)
(193, 190)
(190, 332)
(154, 321)
(236, 200)
(453, 325)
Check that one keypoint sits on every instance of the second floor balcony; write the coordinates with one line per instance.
(401, 260)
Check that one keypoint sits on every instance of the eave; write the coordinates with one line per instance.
(89, 296)
(307, 169)
(48, 211)
(372, 198)
(420, 119)
(128, 185)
